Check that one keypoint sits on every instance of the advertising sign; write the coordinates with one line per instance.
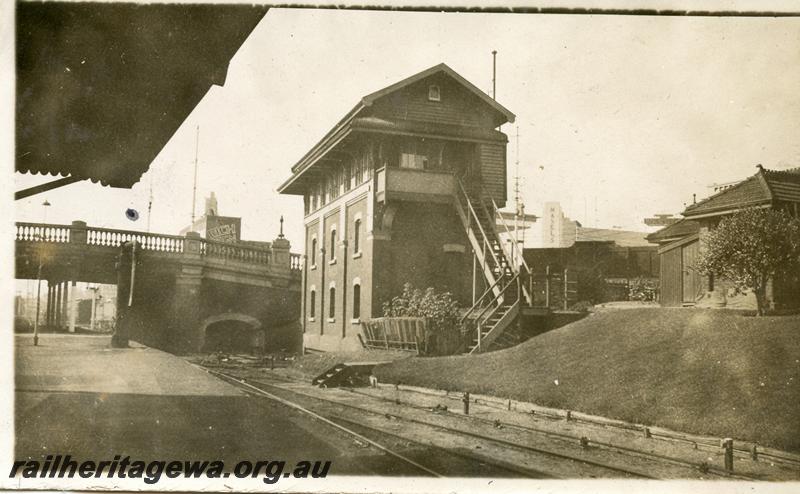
(223, 228)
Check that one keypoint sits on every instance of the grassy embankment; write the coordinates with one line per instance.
(699, 371)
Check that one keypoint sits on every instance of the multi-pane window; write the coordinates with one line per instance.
(421, 154)
(312, 304)
(333, 244)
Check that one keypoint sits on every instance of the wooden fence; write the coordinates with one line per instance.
(411, 334)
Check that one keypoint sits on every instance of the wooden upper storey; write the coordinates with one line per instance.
(436, 109)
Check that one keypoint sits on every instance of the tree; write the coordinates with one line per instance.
(750, 247)
(440, 308)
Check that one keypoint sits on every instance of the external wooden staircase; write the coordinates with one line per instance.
(508, 282)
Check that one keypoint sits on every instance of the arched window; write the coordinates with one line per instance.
(357, 236)
(333, 244)
(312, 304)
(332, 303)
(313, 251)
(356, 301)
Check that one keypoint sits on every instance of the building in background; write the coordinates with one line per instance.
(557, 230)
(679, 244)
(605, 264)
(211, 226)
(93, 302)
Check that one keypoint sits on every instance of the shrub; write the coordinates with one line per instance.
(439, 308)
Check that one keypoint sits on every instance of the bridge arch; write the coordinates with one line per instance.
(232, 331)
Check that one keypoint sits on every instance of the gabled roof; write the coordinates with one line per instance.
(353, 121)
(762, 189)
(370, 98)
(680, 228)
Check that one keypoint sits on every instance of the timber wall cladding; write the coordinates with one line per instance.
(671, 278)
(493, 170)
(456, 107)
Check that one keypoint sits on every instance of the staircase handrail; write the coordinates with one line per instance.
(508, 231)
(480, 299)
(497, 297)
(480, 227)
(516, 254)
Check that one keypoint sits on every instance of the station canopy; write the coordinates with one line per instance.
(102, 87)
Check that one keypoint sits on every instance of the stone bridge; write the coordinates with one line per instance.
(188, 292)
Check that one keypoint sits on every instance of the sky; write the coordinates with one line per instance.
(619, 117)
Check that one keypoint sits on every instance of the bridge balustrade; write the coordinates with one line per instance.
(228, 251)
(39, 232)
(149, 241)
(80, 233)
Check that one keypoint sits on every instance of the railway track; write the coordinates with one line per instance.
(708, 444)
(378, 424)
(612, 447)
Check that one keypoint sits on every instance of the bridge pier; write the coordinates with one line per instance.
(184, 313)
(56, 305)
(73, 309)
(122, 329)
(64, 305)
(49, 310)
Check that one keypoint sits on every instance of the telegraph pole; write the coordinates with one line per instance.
(494, 74)
(194, 187)
(39, 282)
(150, 201)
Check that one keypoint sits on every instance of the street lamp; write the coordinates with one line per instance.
(45, 204)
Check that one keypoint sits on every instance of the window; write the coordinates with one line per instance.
(421, 154)
(357, 236)
(356, 301)
(411, 160)
(312, 304)
(313, 254)
(434, 93)
(333, 244)
(332, 303)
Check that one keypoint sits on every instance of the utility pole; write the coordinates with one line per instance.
(39, 282)
(194, 187)
(150, 201)
(516, 192)
(494, 74)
